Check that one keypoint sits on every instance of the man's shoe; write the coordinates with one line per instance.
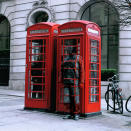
(67, 117)
(76, 117)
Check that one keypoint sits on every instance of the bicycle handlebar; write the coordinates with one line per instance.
(113, 78)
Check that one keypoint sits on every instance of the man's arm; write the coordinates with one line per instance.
(82, 72)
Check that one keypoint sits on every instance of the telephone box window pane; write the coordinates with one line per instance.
(69, 42)
(66, 95)
(37, 64)
(94, 98)
(37, 42)
(79, 50)
(70, 45)
(94, 43)
(94, 74)
(37, 50)
(36, 91)
(94, 66)
(37, 80)
(94, 59)
(75, 93)
(37, 72)
(93, 51)
(67, 49)
(94, 82)
(37, 57)
(93, 94)
(94, 90)
(36, 87)
(37, 46)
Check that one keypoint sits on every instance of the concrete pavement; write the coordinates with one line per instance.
(13, 117)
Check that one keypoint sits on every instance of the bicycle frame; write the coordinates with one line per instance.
(116, 94)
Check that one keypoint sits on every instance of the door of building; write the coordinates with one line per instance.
(4, 51)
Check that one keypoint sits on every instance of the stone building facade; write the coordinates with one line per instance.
(17, 15)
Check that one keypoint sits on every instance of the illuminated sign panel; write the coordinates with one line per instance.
(71, 30)
(93, 31)
(39, 31)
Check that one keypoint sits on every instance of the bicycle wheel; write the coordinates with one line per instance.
(109, 98)
(120, 103)
(128, 104)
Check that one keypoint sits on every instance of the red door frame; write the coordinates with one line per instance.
(61, 107)
(93, 106)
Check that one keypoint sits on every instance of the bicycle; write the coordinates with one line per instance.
(113, 95)
(128, 104)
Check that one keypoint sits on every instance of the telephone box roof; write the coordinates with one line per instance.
(43, 23)
(81, 21)
(84, 22)
(47, 23)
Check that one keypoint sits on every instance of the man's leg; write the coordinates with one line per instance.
(69, 115)
(72, 100)
(76, 103)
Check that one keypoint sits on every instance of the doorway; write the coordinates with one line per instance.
(4, 51)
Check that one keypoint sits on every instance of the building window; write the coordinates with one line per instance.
(41, 17)
(106, 16)
(4, 50)
(40, 14)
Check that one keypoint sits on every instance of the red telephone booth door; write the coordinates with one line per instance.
(63, 97)
(93, 77)
(37, 73)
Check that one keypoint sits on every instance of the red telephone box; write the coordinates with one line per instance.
(41, 39)
(85, 37)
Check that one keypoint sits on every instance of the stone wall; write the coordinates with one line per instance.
(125, 61)
(17, 12)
